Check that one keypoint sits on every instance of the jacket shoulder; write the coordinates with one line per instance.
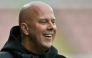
(60, 56)
(5, 55)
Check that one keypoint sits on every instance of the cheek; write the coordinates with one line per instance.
(36, 31)
(55, 28)
(41, 28)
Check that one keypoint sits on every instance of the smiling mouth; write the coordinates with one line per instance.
(48, 36)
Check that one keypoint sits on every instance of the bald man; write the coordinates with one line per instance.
(34, 36)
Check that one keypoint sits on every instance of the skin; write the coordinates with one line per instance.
(37, 21)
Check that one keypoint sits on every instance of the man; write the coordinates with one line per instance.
(34, 36)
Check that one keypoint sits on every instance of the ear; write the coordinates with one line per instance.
(24, 28)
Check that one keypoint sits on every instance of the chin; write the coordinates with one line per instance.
(47, 46)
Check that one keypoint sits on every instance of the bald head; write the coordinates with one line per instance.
(35, 19)
(32, 10)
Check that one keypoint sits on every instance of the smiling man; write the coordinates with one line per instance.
(34, 36)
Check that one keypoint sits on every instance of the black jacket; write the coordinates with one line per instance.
(14, 49)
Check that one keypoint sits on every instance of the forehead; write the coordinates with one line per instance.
(40, 12)
(47, 16)
(46, 12)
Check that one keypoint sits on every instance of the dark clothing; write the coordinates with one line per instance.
(14, 49)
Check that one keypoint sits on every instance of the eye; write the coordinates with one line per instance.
(43, 21)
(53, 21)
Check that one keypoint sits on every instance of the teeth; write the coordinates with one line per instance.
(48, 35)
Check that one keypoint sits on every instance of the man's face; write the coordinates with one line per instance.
(42, 29)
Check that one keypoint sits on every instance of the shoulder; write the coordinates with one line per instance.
(5, 55)
(60, 56)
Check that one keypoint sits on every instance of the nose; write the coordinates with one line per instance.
(51, 26)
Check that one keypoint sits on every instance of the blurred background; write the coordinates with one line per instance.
(73, 19)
